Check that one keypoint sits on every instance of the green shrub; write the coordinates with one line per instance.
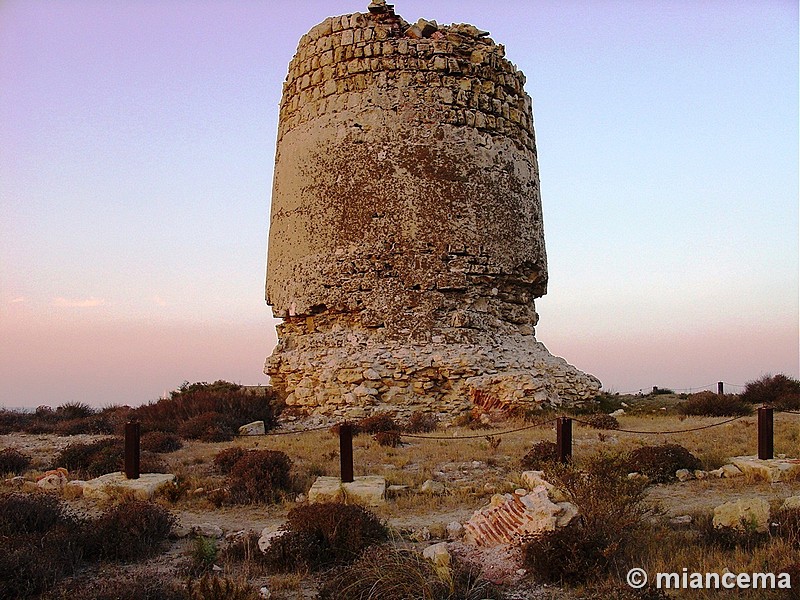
(202, 553)
(659, 463)
(322, 535)
(385, 572)
(13, 461)
(602, 421)
(539, 456)
(780, 391)
(710, 404)
(260, 476)
(611, 512)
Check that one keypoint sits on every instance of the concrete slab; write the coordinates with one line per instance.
(368, 490)
(106, 486)
(772, 470)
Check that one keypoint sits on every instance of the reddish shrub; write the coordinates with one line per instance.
(602, 421)
(781, 391)
(206, 427)
(260, 476)
(539, 456)
(710, 404)
(225, 459)
(659, 463)
(13, 461)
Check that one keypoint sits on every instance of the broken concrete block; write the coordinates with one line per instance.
(108, 485)
(254, 428)
(746, 514)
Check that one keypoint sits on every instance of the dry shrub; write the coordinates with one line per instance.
(378, 423)
(161, 442)
(206, 427)
(709, 404)
(213, 587)
(233, 404)
(786, 524)
(602, 421)
(33, 563)
(420, 422)
(384, 572)
(611, 511)
(659, 463)
(29, 513)
(225, 459)
(12, 420)
(131, 530)
(93, 459)
(539, 456)
(388, 438)
(355, 428)
(780, 391)
(323, 535)
(13, 461)
(260, 476)
(121, 587)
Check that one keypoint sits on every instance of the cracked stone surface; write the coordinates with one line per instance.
(406, 244)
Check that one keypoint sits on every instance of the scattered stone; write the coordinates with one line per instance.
(745, 514)
(16, 482)
(53, 481)
(397, 490)
(617, 413)
(716, 473)
(509, 516)
(773, 470)
(267, 537)
(301, 498)
(422, 534)
(439, 555)
(454, 530)
(254, 428)
(432, 487)
(791, 503)
(105, 486)
(180, 531)
(638, 476)
(684, 475)
(730, 471)
(208, 530)
(681, 520)
(700, 474)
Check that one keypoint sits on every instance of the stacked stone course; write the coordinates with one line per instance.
(406, 241)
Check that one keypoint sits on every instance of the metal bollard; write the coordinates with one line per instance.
(765, 433)
(564, 438)
(132, 444)
(346, 452)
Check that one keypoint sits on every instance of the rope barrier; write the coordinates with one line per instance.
(471, 437)
(271, 433)
(670, 432)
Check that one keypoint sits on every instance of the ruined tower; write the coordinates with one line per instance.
(406, 244)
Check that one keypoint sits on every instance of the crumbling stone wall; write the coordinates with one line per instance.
(406, 242)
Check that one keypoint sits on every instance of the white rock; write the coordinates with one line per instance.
(729, 471)
(618, 413)
(454, 530)
(268, 536)
(209, 530)
(744, 514)
(254, 428)
(791, 503)
(432, 487)
(438, 554)
(683, 475)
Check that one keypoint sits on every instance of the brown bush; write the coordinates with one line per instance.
(780, 391)
(213, 587)
(131, 530)
(388, 438)
(710, 404)
(323, 535)
(539, 456)
(206, 427)
(29, 513)
(386, 572)
(377, 424)
(13, 461)
(120, 587)
(225, 459)
(93, 459)
(161, 442)
(260, 476)
(659, 463)
(611, 511)
(420, 422)
(602, 421)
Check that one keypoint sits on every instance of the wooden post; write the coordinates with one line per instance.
(132, 443)
(720, 388)
(346, 452)
(564, 438)
(765, 431)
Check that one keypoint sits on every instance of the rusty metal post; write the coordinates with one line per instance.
(346, 452)
(564, 438)
(765, 431)
(132, 443)
(720, 388)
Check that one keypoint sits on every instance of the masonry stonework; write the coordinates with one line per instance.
(406, 244)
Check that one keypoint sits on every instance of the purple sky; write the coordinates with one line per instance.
(136, 166)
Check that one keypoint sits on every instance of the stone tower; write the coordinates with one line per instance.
(406, 245)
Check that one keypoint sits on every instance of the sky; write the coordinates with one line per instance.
(137, 141)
